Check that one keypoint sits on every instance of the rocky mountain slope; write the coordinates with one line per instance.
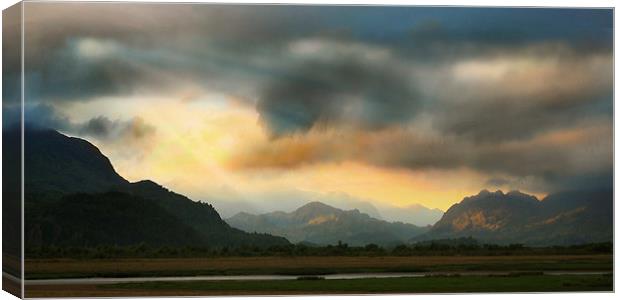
(570, 217)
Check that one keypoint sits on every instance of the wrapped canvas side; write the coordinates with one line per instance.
(12, 254)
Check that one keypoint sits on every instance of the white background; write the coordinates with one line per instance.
(532, 296)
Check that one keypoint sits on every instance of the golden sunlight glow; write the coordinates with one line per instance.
(194, 148)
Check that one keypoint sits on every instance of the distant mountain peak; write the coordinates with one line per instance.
(318, 208)
(319, 223)
(484, 192)
(316, 205)
(486, 195)
(242, 214)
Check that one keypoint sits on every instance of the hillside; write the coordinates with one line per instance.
(110, 218)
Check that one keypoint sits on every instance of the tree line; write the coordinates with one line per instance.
(461, 246)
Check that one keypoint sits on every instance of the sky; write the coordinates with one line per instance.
(268, 105)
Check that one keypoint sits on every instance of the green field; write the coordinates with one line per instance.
(70, 268)
(431, 284)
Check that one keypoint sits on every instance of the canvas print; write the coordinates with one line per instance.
(190, 149)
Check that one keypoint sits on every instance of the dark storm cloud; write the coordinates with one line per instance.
(176, 44)
(463, 31)
(500, 121)
(69, 76)
(347, 91)
(524, 93)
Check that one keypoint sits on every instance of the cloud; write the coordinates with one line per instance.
(158, 47)
(519, 93)
(500, 94)
(338, 84)
(100, 128)
(103, 128)
(93, 68)
(106, 49)
(463, 32)
(35, 115)
(546, 161)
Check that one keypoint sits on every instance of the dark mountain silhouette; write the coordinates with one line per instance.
(58, 163)
(565, 218)
(198, 215)
(318, 223)
(73, 197)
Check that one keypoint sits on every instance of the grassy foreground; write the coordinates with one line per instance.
(70, 268)
(526, 283)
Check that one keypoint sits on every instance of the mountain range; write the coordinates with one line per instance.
(74, 197)
(321, 224)
(228, 204)
(565, 218)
